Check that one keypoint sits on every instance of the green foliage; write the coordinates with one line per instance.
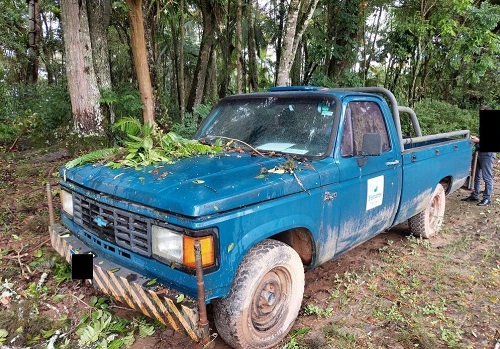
(317, 311)
(438, 117)
(294, 336)
(144, 144)
(125, 100)
(35, 112)
(192, 121)
(107, 154)
(102, 329)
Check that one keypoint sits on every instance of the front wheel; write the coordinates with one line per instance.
(265, 297)
(428, 222)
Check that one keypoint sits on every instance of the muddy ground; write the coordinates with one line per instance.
(394, 291)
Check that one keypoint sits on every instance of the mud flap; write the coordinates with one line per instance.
(128, 287)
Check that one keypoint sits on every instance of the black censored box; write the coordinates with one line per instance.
(489, 135)
(82, 266)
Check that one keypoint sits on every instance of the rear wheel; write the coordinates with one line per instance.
(428, 222)
(265, 297)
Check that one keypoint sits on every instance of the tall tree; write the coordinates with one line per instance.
(33, 40)
(210, 14)
(140, 56)
(239, 39)
(99, 16)
(299, 15)
(82, 81)
(252, 7)
(344, 20)
(180, 74)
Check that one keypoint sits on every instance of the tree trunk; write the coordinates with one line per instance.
(239, 39)
(175, 29)
(99, 13)
(211, 85)
(150, 10)
(48, 51)
(295, 28)
(296, 71)
(226, 49)
(368, 56)
(252, 47)
(33, 39)
(82, 82)
(345, 34)
(207, 40)
(281, 34)
(139, 53)
(180, 74)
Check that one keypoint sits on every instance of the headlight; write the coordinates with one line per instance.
(67, 202)
(179, 248)
(167, 244)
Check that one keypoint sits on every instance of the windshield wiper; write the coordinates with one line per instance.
(232, 140)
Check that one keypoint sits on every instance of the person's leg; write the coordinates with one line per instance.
(487, 160)
(477, 179)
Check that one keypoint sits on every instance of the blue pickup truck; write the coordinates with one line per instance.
(312, 173)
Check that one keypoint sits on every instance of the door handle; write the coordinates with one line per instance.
(392, 163)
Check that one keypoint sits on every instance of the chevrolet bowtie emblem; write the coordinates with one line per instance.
(101, 222)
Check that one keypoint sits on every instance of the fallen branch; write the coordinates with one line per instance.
(15, 141)
(300, 183)
(14, 257)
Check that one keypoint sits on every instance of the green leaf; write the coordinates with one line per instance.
(148, 143)
(38, 254)
(152, 282)
(230, 247)
(198, 181)
(146, 330)
(179, 298)
(58, 297)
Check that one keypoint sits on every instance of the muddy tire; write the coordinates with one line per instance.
(265, 297)
(428, 222)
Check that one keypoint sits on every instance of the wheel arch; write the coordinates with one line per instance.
(301, 240)
(446, 182)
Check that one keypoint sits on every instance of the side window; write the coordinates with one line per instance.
(361, 118)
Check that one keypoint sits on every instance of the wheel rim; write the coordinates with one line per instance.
(434, 212)
(270, 301)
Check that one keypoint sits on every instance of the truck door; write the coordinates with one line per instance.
(369, 185)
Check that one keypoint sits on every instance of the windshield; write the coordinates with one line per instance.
(299, 125)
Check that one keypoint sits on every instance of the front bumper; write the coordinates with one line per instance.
(135, 290)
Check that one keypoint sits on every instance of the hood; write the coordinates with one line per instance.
(196, 186)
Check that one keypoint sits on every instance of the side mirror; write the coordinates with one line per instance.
(372, 144)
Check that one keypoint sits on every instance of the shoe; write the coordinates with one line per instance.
(484, 202)
(470, 198)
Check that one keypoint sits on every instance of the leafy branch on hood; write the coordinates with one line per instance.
(143, 145)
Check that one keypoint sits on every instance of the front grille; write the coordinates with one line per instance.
(118, 226)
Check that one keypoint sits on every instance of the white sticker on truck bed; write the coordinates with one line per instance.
(374, 192)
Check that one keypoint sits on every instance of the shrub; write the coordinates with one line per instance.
(439, 117)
